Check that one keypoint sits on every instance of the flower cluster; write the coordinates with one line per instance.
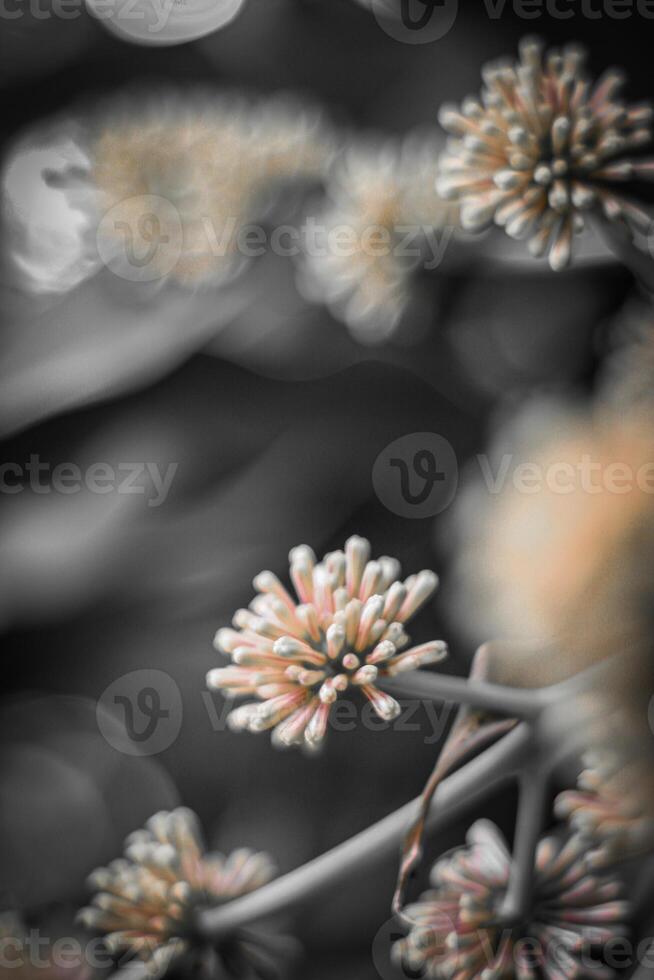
(563, 558)
(382, 196)
(215, 161)
(347, 629)
(606, 807)
(458, 929)
(177, 177)
(145, 902)
(543, 146)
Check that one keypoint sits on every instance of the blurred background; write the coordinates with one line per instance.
(264, 415)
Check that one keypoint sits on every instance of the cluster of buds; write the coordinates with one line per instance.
(541, 148)
(458, 929)
(146, 902)
(346, 629)
(606, 807)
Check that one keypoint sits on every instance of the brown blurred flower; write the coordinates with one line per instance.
(458, 931)
(145, 903)
(542, 147)
(174, 178)
(561, 551)
(347, 630)
(213, 160)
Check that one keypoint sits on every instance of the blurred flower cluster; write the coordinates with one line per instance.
(458, 930)
(128, 205)
(145, 903)
(182, 172)
(385, 193)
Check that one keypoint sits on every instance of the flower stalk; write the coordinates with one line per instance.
(618, 239)
(456, 794)
(495, 698)
(515, 755)
(529, 825)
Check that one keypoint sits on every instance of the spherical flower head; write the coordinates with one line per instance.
(541, 148)
(609, 806)
(382, 205)
(346, 629)
(145, 903)
(458, 931)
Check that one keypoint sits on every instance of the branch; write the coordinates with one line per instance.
(495, 698)
(621, 243)
(351, 858)
(529, 825)
(455, 794)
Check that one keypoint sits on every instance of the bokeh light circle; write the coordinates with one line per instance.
(164, 22)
